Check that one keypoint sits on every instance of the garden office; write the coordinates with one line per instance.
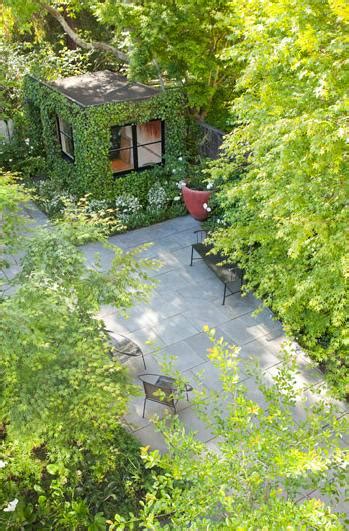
(99, 126)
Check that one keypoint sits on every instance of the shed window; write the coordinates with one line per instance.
(121, 149)
(134, 147)
(65, 133)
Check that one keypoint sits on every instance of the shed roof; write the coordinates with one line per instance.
(96, 88)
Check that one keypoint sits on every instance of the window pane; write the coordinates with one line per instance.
(120, 137)
(149, 154)
(66, 137)
(149, 132)
(67, 146)
(121, 160)
(65, 127)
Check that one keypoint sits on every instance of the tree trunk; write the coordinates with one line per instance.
(93, 45)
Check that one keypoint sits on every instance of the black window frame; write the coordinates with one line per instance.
(135, 147)
(65, 156)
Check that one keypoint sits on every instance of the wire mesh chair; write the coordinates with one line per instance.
(162, 390)
(124, 346)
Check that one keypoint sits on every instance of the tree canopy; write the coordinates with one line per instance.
(286, 213)
(163, 42)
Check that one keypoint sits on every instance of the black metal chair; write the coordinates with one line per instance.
(125, 346)
(162, 390)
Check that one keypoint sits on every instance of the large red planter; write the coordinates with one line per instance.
(194, 201)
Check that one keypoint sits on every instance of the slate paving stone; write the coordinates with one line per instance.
(242, 332)
(113, 324)
(206, 315)
(237, 304)
(147, 339)
(185, 239)
(185, 356)
(138, 320)
(135, 366)
(175, 279)
(147, 434)
(200, 342)
(257, 351)
(192, 423)
(197, 292)
(175, 329)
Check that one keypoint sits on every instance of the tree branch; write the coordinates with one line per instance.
(93, 45)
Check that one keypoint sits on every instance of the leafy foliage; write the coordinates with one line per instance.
(172, 39)
(62, 393)
(18, 59)
(12, 196)
(263, 463)
(165, 42)
(287, 216)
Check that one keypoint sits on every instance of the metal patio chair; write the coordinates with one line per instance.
(162, 390)
(125, 346)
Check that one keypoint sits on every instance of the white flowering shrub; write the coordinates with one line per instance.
(126, 205)
(157, 197)
(179, 168)
(96, 205)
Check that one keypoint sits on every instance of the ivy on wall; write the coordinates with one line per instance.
(91, 172)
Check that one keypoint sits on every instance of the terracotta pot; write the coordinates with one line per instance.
(194, 201)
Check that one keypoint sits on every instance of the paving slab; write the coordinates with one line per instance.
(256, 351)
(184, 356)
(174, 329)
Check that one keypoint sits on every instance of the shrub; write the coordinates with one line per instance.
(126, 205)
(288, 213)
(157, 197)
(66, 456)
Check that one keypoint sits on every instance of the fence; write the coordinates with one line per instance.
(210, 140)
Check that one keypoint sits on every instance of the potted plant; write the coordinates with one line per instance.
(196, 190)
(196, 201)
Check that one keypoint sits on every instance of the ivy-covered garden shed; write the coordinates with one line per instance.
(99, 131)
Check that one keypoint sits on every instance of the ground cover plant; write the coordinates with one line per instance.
(138, 199)
(66, 460)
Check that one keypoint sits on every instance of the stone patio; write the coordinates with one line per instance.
(184, 300)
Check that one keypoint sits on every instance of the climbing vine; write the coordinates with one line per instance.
(90, 172)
